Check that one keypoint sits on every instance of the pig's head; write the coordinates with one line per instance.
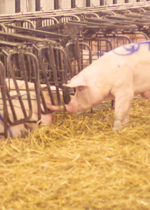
(82, 100)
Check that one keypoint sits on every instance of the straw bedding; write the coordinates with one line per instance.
(79, 163)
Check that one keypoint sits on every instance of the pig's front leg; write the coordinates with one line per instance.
(126, 118)
(122, 109)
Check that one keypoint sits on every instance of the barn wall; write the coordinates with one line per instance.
(47, 5)
(8, 6)
(27, 6)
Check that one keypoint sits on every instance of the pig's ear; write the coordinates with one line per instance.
(76, 81)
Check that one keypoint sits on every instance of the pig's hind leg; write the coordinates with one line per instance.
(146, 94)
(122, 109)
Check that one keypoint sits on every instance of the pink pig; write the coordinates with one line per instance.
(119, 75)
(17, 131)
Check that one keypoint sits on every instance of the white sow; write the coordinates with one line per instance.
(119, 75)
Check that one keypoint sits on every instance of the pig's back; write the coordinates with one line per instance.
(125, 64)
(137, 59)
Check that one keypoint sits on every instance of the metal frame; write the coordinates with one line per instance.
(23, 74)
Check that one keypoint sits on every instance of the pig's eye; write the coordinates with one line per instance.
(80, 88)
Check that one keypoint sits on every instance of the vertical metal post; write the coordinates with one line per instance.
(88, 4)
(101, 2)
(56, 4)
(73, 4)
(37, 5)
(38, 8)
(114, 1)
(17, 6)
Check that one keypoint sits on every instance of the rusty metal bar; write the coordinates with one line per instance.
(10, 44)
(56, 4)
(45, 76)
(38, 32)
(2, 27)
(102, 2)
(34, 77)
(17, 6)
(37, 5)
(88, 3)
(3, 94)
(73, 3)
(23, 38)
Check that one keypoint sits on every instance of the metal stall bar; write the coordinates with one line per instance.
(3, 28)
(66, 18)
(38, 32)
(99, 46)
(11, 44)
(22, 38)
(23, 23)
(3, 115)
(62, 68)
(48, 23)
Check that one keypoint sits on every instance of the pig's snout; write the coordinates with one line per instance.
(70, 108)
(67, 108)
(55, 108)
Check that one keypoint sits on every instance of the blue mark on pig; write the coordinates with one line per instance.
(100, 53)
(8, 128)
(132, 48)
